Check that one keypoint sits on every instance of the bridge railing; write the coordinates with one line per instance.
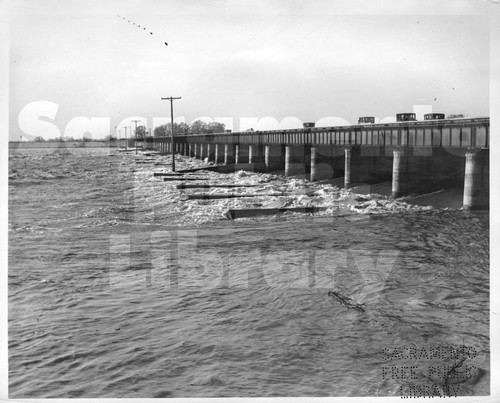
(451, 133)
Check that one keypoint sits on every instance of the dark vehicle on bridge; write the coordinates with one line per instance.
(405, 117)
(432, 116)
(309, 125)
(366, 120)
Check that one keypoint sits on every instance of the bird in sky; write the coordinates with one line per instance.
(144, 28)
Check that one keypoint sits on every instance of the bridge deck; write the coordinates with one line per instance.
(446, 133)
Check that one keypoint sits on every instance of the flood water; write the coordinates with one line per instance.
(121, 287)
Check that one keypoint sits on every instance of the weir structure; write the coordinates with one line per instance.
(417, 156)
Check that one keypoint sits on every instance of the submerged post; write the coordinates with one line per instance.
(396, 173)
(471, 180)
(347, 168)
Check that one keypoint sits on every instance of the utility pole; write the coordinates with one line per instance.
(171, 99)
(135, 142)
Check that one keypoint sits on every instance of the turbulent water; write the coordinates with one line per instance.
(121, 287)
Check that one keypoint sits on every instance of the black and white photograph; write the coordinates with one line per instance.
(249, 199)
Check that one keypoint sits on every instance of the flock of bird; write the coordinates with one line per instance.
(137, 25)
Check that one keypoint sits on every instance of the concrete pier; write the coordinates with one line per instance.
(314, 153)
(288, 152)
(267, 150)
(236, 153)
(209, 156)
(472, 181)
(216, 153)
(347, 168)
(397, 167)
(250, 154)
(226, 152)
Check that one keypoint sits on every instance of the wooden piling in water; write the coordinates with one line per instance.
(233, 214)
(206, 186)
(183, 179)
(205, 196)
(167, 174)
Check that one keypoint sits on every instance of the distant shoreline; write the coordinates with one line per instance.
(61, 144)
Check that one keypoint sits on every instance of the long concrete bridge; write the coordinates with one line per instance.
(428, 154)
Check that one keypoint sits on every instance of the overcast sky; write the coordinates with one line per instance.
(241, 60)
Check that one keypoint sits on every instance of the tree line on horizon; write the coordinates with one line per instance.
(197, 127)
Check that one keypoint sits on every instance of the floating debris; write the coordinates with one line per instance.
(346, 301)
